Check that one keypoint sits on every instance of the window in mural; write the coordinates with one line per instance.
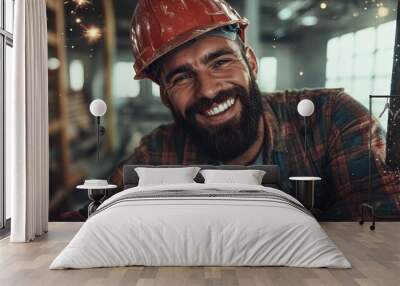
(361, 63)
(123, 83)
(76, 75)
(267, 74)
(224, 101)
(155, 89)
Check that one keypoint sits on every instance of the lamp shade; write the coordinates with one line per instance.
(305, 107)
(98, 107)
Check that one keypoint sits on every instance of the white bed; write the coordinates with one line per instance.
(222, 225)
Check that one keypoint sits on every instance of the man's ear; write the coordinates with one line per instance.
(252, 60)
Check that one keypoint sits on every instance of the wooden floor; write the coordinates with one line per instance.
(375, 256)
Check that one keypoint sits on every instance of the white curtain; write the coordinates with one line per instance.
(27, 124)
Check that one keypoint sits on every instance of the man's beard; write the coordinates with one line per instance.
(228, 140)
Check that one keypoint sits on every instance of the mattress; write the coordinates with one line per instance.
(201, 225)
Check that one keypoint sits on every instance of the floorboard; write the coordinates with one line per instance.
(374, 255)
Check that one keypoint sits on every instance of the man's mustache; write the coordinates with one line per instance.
(205, 103)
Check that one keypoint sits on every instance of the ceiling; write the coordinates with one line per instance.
(280, 19)
(284, 18)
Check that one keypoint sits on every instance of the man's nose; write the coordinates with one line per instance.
(207, 86)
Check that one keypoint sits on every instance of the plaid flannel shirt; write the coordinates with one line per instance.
(337, 151)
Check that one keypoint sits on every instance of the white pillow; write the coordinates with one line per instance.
(163, 176)
(248, 177)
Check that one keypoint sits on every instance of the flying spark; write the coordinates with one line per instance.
(81, 3)
(92, 34)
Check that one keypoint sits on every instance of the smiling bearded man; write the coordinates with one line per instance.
(196, 51)
(209, 84)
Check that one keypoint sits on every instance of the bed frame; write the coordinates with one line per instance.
(131, 179)
(270, 179)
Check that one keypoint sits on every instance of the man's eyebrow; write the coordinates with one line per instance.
(180, 69)
(216, 54)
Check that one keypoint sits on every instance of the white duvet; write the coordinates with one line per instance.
(183, 231)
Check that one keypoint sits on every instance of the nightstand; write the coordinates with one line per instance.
(96, 195)
(305, 188)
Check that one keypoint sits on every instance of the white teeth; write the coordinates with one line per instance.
(221, 107)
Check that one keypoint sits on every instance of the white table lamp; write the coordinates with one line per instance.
(98, 107)
(305, 107)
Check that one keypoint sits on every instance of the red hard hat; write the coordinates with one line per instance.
(159, 26)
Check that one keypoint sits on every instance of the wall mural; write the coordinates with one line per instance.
(213, 100)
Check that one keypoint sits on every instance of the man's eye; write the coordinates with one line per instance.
(219, 63)
(181, 79)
